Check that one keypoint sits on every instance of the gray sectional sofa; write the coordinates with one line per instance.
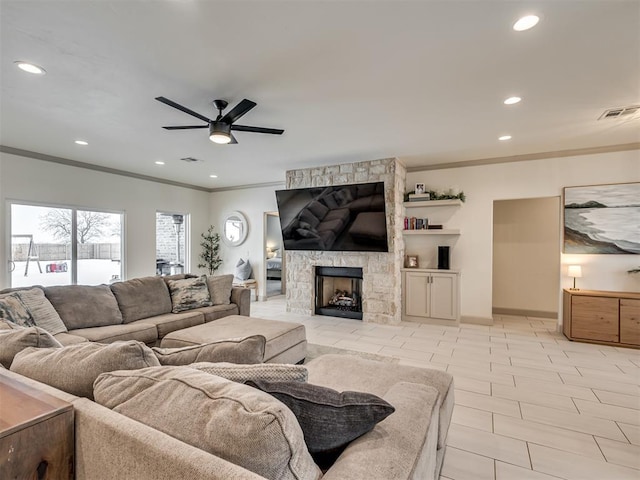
(407, 445)
(137, 309)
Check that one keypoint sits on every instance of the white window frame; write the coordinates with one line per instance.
(187, 236)
(74, 234)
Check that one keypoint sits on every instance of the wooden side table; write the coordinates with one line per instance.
(251, 284)
(36, 433)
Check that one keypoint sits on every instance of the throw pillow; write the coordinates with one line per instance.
(247, 350)
(189, 293)
(330, 201)
(84, 306)
(243, 270)
(220, 288)
(41, 310)
(14, 339)
(329, 419)
(13, 309)
(74, 368)
(269, 372)
(231, 420)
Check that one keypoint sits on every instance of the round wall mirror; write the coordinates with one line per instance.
(235, 229)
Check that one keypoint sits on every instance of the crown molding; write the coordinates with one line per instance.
(96, 168)
(529, 156)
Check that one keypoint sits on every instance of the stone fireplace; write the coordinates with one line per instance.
(381, 280)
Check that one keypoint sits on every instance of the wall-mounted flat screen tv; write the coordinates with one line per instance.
(336, 218)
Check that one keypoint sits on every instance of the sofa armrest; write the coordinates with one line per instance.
(110, 445)
(402, 446)
(241, 297)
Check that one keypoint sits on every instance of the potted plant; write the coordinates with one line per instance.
(210, 251)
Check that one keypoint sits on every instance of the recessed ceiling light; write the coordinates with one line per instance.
(526, 22)
(504, 137)
(512, 100)
(213, 176)
(30, 67)
(159, 162)
(81, 142)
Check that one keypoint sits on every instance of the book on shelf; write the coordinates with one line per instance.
(435, 227)
(419, 197)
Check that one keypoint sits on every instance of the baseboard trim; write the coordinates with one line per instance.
(524, 313)
(476, 320)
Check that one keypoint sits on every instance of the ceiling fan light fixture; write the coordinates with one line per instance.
(220, 132)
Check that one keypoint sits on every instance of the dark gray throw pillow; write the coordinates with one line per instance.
(329, 419)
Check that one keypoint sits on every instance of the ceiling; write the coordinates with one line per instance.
(423, 81)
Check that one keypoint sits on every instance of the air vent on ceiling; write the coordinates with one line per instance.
(620, 112)
(191, 160)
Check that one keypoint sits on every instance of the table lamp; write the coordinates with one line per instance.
(574, 271)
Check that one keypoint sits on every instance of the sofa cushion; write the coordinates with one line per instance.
(14, 339)
(142, 332)
(84, 306)
(366, 189)
(318, 210)
(307, 216)
(170, 322)
(13, 309)
(330, 201)
(230, 420)
(220, 288)
(329, 419)
(66, 338)
(240, 350)
(270, 372)
(142, 297)
(74, 368)
(41, 310)
(243, 269)
(217, 311)
(189, 293)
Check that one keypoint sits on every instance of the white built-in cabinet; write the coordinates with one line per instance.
(431, 295)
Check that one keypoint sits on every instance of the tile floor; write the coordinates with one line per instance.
(530, 405)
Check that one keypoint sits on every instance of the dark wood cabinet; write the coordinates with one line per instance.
(612, 318)
(36, 433)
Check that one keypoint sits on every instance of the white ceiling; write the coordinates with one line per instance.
(347, 80)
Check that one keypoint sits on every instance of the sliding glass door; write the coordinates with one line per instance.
(63, 246)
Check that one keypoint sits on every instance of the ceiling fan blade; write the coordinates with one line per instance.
(185, 127)
(233, 139)
(173, 104)
(246, 128)
(239, 110)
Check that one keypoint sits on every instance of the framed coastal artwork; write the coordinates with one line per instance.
(602, 219)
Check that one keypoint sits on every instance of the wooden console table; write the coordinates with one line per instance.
(610, 318)
(36, 433)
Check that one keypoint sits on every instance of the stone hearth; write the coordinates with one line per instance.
(381, 286)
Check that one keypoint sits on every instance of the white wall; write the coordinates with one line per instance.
(252, 202)
(472, 253)
(526, 255)
(29, 180)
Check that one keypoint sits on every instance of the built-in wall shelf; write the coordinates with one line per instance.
(434, 203)
(447, 231)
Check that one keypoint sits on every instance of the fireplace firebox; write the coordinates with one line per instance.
(339, 292)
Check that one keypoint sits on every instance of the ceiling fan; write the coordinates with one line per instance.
(220, 128)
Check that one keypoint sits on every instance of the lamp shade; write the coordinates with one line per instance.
(574, 271)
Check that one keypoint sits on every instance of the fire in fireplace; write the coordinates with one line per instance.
(339, 292)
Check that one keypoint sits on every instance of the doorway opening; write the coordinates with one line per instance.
(171, 243)
(526, 257)
(274, 271)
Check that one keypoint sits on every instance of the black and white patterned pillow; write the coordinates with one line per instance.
(189, 293)
(13, 309)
